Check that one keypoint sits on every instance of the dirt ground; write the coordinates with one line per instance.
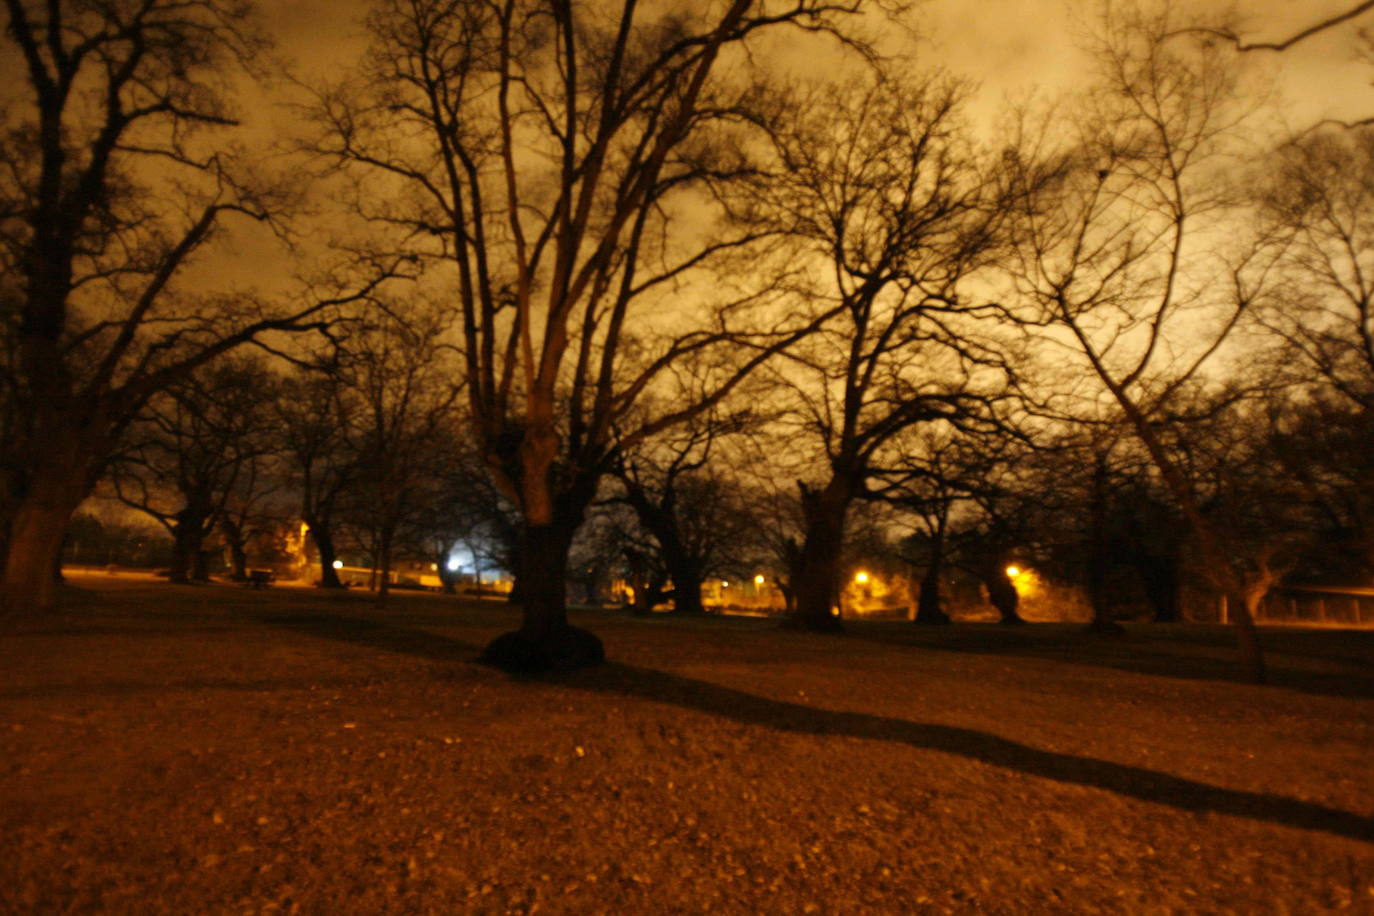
(221, 750)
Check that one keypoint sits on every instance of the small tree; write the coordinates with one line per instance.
(191, 450)
(691, 510)
(405, 410)
(312, 416)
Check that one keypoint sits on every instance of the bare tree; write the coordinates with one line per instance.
(116, 175)
(1118, 222)
(1317, 197)
(691, 509)
(312, 415)
(190, 450)
(564, 164)
(405, 395)
(884, 191)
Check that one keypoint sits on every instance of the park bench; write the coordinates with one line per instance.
(259, 578)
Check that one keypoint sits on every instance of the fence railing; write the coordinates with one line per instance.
(1319, 604)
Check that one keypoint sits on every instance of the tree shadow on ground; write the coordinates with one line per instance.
(725, 702)
(376, 635)
(1329, 663)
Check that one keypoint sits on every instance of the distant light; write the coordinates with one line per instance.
(338, 564)
(452, 565)
(1013, 572)
(758, 580)
(724, 584)
(861, 577)
(433, 567)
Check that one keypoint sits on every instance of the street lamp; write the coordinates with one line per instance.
(861, 577)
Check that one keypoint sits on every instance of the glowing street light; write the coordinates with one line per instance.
(861, 577)
(758, 580)
(338, 564)
(1013, 572)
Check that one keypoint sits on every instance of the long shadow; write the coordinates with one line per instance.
(375, 634)
(1171, 655)
(725, 702)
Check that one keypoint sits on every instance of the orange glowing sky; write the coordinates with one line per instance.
(1008, 46)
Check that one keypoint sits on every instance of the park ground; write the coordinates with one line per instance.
(217, 749)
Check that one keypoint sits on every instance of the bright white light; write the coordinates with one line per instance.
(1013, 572)
(338, 564)
(861, 577)
(758, 580)
(724, 584)
(452, 564)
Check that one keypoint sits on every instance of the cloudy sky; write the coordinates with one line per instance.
(1008, 46)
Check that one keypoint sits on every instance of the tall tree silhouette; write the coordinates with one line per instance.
(564, 163)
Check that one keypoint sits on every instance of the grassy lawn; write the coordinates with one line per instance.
(186, 750)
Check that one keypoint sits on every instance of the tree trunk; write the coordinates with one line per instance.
(685, 573)
(1247, 635)
(789, 597)
(818, 578)
(38, 505)
(928, 603)
(35, 540)
(185, 546)
(1160, 580)
(687, 594)
(1002, 593)
(384, 566)
(238, 553)
(324, 544)
(1103, 622)
(200, 566)
(545, 640)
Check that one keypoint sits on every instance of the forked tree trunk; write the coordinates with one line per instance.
(818, 577)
